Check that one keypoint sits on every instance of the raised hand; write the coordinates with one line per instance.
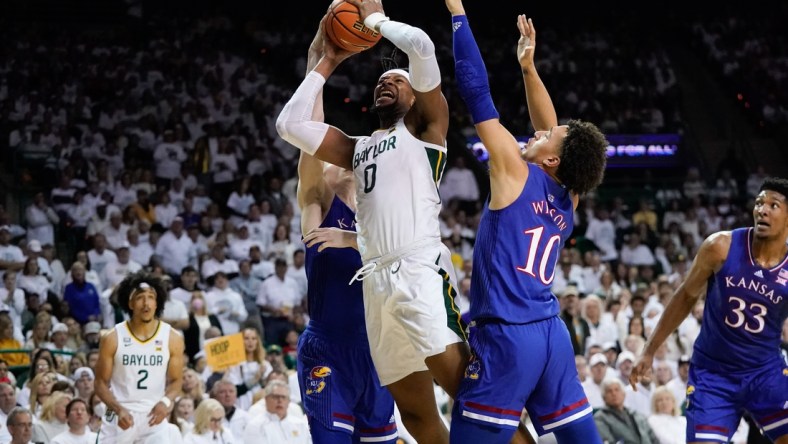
(527, 42)
(455, 7)
(367, 7)
(330, 49)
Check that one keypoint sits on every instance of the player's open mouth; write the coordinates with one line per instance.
(762, 224)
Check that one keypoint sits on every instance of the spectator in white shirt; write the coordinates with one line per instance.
(259, 230)
(226, 304)
(297, 272)
(593, 386)
(122, 266)
(20, 425)
(78, 431)
(242, 242)
(100, 219)
(634, 252)
(124, 194)
(235, 418)
(224, 165)
(175, 312)
(80, 216)
(31, 281)
(261, 268)
(115, 231)
(639, 400)
(41, 220)
(140, 252)
(208, 428)
(62, 196)
(175, 249)
(460, 183)
(11, 256)
(165, 211)
(678, 385)
(189, 285)
(602, 232)
(7, 403)
(100, 256)
(278, 295)
(239, 201)
(601, 327)
(275, 425)
(57, 271)
(665, 419)
(168, 157)
(593, 270)
(13, 299)
(218, 262)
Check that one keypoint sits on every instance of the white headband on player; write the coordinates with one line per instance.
(142, 287)
(399, 71)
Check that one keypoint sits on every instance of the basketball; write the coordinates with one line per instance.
(345, 28)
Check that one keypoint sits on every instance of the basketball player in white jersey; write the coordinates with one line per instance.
(414, 329)
(140, 367)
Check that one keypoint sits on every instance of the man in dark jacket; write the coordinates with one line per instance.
(618, 424)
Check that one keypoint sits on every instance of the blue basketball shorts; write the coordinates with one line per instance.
(521, 365)
(717, 400)
(341, 390)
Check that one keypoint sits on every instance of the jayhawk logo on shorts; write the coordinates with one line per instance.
(316, 381)
(690, 389)
(785, 372)
(473, 369)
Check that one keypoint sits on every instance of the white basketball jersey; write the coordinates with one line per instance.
(397, 178)
(139, 376)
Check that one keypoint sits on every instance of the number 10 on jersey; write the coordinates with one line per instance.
(552, 245)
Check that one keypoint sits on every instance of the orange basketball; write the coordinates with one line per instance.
(345, 28)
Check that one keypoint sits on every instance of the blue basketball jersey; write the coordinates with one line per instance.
(516, 251)
(744, 312)
(335, 307)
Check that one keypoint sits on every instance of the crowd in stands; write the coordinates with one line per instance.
(160, 153)
(749, 56)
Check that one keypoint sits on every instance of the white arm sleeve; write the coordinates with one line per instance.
(295, 124)
(425, 74)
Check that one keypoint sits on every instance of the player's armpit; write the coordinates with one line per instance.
(508, 171)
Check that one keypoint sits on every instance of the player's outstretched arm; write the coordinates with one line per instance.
(312, 193)
(540, 106)
(108, 345)
(296, 124)
(430, 113)
(508, 172)
(710, 257)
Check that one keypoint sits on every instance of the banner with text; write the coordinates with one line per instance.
(225, 351)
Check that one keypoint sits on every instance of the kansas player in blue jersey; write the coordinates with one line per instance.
(341, 394)
(736, 364)
(522, 352)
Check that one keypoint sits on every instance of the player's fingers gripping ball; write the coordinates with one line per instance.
(346, 29)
